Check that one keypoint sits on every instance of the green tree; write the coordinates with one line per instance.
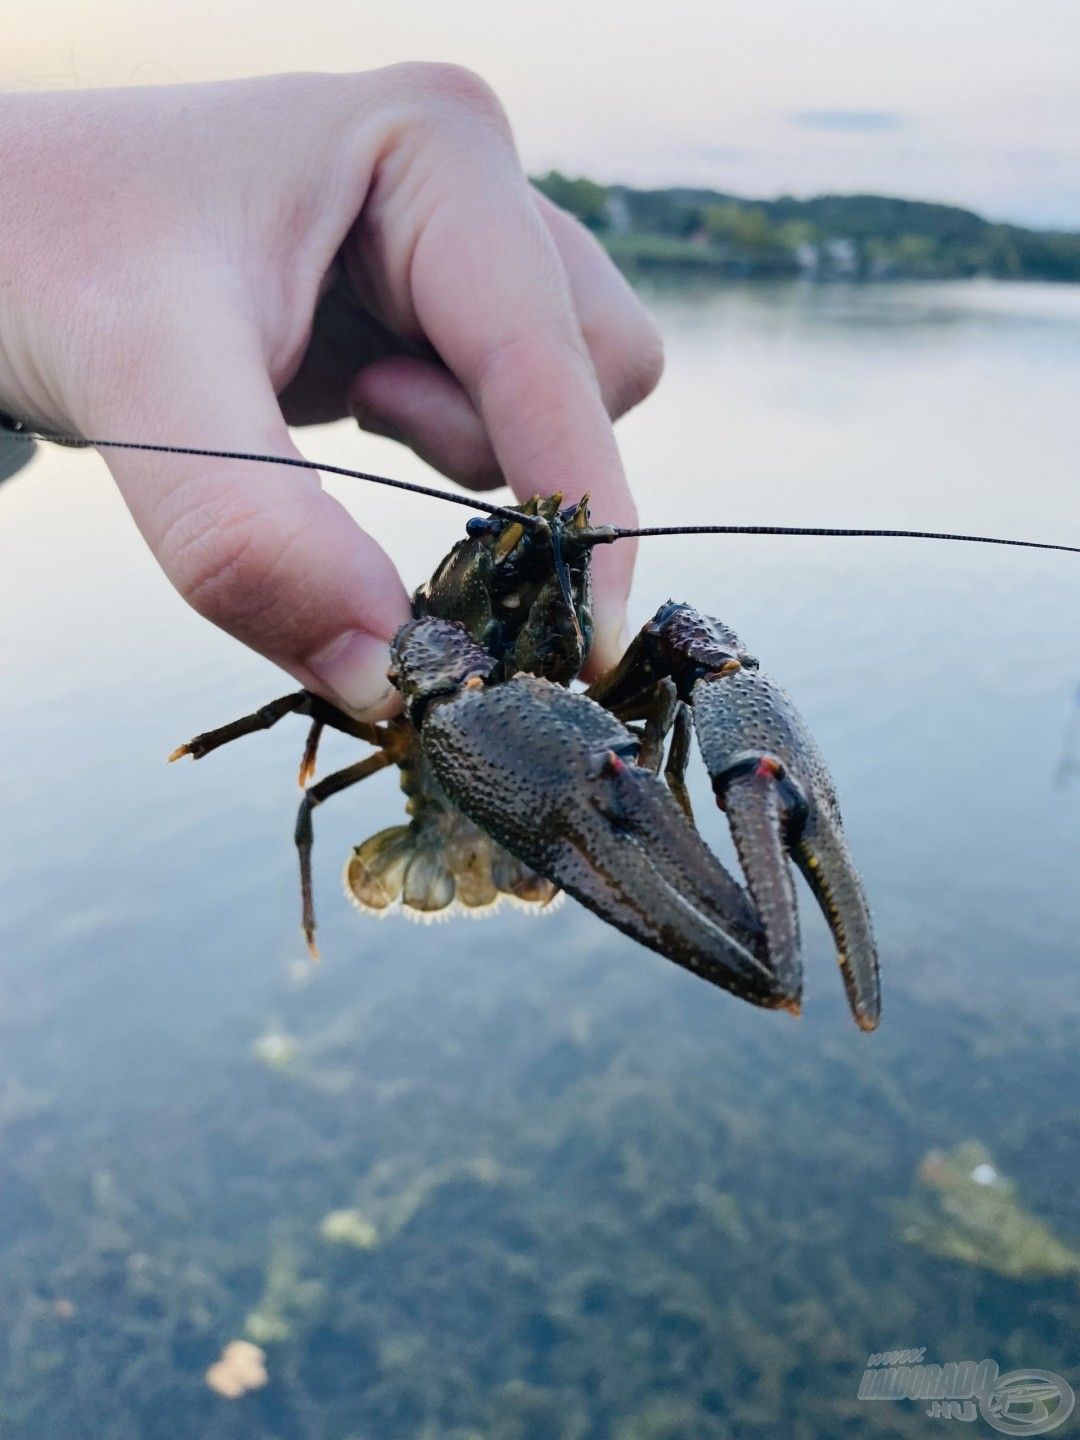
(583, 198)
(746, 228)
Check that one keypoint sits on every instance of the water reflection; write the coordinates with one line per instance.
(596, 1198)
(1068, 766)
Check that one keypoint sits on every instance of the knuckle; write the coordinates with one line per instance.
(444, 89)
(457, 85)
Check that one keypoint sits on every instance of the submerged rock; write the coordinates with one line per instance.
(274, 1049)
(349, 1227)
(965, 1209)
(240, 1369)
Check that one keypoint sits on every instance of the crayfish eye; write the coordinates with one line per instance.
(477, 527)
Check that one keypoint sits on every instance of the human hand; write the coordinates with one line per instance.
(204, 264)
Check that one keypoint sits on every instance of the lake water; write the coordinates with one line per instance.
(588, 1196)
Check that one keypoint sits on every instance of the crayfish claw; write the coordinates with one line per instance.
(822, 855)
(770, 777)
(755, 813)
(551, 775)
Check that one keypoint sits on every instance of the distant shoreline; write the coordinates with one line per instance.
(828, 237)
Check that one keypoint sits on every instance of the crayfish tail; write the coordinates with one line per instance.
(375, 872)
(436, 868)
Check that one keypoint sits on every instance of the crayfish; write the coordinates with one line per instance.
(519, 786)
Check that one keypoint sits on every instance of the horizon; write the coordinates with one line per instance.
(808, 197)
(972, 103)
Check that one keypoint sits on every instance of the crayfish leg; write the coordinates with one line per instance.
(311, 750)
(300, 702)
(264, 718)
(305, 833)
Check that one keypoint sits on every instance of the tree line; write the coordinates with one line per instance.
(827, 236)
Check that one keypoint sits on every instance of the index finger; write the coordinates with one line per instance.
(490, 292)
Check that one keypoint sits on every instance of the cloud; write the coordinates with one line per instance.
(723, 154)
(852, 122)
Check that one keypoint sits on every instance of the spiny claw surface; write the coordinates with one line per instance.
(551, 775)
(772, 780)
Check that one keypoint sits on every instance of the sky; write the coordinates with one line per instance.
(975, 102)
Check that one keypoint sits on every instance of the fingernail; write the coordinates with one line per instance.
(353, 668)
(373, 423)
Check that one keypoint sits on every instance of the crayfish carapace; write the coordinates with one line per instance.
(519, 786)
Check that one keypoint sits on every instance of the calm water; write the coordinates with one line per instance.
(600, 1199)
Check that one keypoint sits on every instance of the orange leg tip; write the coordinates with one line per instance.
(793, 1007)
(866, 1024)
(179, 753)
(313, 950)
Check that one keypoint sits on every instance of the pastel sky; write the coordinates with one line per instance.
(973, 101)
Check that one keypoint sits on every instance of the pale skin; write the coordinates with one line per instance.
(162, 254)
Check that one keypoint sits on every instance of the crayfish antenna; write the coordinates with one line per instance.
(563, 576)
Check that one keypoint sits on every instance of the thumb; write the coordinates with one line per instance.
(260, 550)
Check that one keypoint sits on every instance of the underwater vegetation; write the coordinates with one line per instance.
(967, 1210)
(532, 1208)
